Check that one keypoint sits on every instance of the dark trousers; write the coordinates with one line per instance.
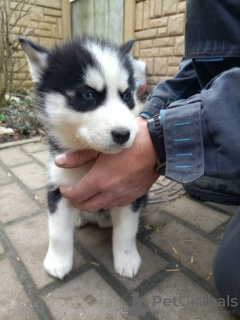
(207, 70)
(226, 265)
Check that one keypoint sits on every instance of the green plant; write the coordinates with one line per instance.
(22, 118)
(11, 17)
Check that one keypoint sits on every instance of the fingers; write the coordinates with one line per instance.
(94, 204)
(82, 190)
(75, 159)
(90, 197)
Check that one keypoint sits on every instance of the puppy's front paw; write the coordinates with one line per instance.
(127, 263)
(58, 265)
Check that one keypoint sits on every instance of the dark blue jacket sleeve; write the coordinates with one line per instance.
(202, 133)
(182, 86)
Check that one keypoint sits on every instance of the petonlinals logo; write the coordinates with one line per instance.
(137, 308)
(196, 301)
(169, 305)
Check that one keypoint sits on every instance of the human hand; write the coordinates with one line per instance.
(115, 179)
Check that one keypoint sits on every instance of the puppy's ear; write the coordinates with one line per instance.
(36, 56)
(127, 46)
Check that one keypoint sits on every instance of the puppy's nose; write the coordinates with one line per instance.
(120, 135)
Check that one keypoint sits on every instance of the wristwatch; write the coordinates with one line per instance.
(156, 133)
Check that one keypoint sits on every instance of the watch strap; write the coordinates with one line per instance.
(156, 133)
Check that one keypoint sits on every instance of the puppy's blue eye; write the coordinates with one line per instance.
(88, 95)
(126, 96)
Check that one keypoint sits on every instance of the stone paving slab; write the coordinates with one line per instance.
(30, 239)
(175, 232)
(178, 297)
(197, 214)
(87, 297)
(4, 177)
(32, 175)
(14, 303)
(222, 207)
(42, 156)
(15, 203)
(34, 147)
(41, 195)
(1, 249)
(153, 217)
(9, 156)
(192, 250)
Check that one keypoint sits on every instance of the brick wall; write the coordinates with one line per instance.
(159, 34)
(51, 23)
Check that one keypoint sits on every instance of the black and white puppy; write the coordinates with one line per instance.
(86, 95)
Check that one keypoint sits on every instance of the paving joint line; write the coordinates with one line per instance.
(32, 152)
(18, 220)
(39, 188)
(190, 226)
(3, 256)
(21, 164)
(189, 273)
(220, 230)
(33, 158)
(210, 206)
(153, 281)
(101, 269)
(22, 186)
(148, 316)
(6, 183)
(25, 279)
(59, 283)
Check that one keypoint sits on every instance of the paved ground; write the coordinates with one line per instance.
(177, 240)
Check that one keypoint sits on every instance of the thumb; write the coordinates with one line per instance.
(75, 159)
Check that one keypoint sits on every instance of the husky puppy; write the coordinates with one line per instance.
(85, 92)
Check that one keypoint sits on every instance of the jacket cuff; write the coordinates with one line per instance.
(183, 140)
(153, 105)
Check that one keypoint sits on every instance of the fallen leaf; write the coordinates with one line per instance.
(147, 227)
(209, 274)
(94, 263)
(158, 228)
(175, 251)
(172, 270)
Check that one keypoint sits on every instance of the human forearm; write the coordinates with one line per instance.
(202, 133)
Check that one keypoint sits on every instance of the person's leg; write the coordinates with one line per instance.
(226, 265)
(207, 69)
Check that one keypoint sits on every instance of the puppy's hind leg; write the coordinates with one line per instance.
(127, 260)
(62, 219)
